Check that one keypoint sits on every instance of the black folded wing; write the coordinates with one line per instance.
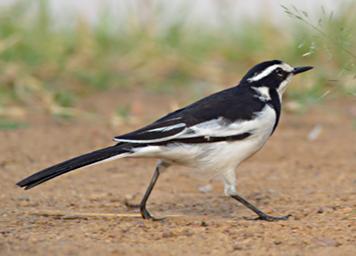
(223, 116)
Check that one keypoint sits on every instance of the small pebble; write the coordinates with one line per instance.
(206, 188)
(167, 234)
(203, 224)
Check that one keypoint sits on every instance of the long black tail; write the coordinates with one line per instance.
(72, 164)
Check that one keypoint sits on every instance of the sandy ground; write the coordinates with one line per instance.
(84, 212)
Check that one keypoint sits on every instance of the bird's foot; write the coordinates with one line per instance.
(267, 217)
(147, 215)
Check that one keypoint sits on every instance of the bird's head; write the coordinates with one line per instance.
(273, 74)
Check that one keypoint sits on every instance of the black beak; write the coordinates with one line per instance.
(298, 70)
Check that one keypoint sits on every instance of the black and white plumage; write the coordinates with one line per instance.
(214, 134)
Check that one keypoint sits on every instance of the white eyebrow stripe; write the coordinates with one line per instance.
(269, 70)
(264, 73)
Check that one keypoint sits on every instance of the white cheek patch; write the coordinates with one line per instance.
(263, 92)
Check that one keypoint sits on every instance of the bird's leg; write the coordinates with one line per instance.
(261, 214)
(144, 212)
(230, 190)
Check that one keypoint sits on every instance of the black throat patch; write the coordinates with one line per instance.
(275, 103)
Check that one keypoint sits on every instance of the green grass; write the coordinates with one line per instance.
(54, 65)
(6, 124)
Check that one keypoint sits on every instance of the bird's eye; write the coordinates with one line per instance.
(279, 72)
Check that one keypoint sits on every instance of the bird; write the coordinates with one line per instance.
(214, 134)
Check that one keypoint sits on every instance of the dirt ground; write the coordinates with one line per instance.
(84, 212)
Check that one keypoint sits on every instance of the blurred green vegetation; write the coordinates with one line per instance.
(50, 65)
(6, 124)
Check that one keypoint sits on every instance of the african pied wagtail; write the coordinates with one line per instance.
(214, 134)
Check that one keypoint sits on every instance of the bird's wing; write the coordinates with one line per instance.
(219, 117)
(176, 130)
